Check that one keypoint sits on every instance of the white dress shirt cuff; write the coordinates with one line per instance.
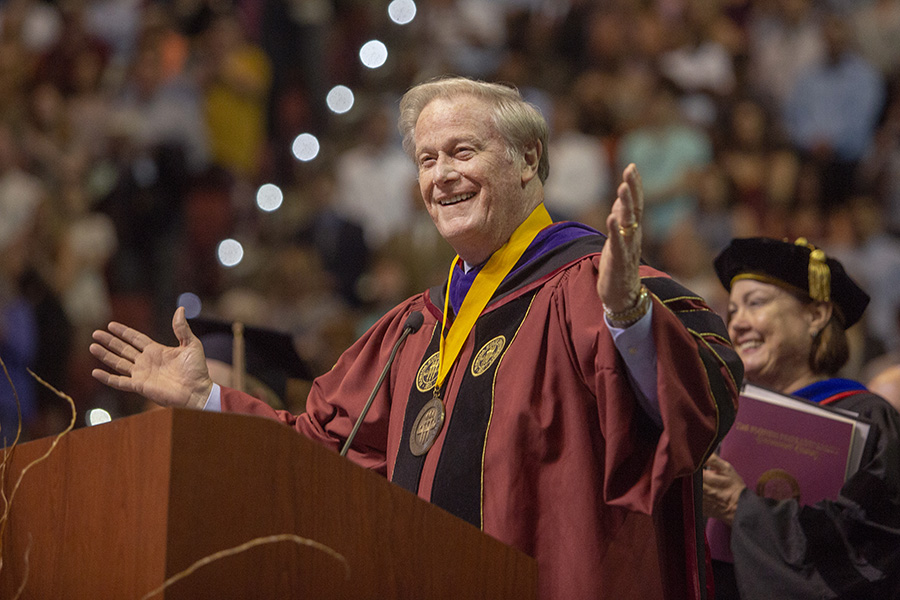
(638, 349)
(214, 402)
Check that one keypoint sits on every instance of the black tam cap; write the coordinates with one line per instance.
(799, 267)
(269, 355)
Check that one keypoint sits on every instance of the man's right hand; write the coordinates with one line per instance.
(169, 376)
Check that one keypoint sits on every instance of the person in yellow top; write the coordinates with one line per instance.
(237, 77)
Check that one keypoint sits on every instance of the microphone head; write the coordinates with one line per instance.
(414, 321)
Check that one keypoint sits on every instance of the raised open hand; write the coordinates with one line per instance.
(170, 376)
(619, 283)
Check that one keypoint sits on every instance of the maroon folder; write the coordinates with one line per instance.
(785, 447)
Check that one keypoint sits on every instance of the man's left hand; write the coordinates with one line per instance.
(619, 283)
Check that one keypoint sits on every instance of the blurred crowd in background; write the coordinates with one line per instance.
(135, 135)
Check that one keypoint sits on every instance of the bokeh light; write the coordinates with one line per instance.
(191, 303)
(269, 197)
(230, 252)
(402, 12)
(305, 147)
(96, 416)
(340, 99)
(373, 54)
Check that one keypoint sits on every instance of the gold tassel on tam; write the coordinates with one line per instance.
(819, 273)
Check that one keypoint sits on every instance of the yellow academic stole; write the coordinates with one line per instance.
(430, 420)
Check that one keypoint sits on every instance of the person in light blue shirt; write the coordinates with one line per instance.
(671, 153)
(832, 111)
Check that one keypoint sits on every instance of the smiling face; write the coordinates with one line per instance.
(773, 333)
(475, 191)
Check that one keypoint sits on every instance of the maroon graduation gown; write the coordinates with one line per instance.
(545, 446)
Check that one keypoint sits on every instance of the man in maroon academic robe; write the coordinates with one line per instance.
(581, 391)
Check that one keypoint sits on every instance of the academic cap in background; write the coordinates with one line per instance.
(798, 266)
(269, 355)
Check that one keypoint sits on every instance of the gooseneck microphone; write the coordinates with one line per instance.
(413, 323)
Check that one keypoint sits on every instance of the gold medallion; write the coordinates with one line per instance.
(428, 372)
(487, 355)
(426, 427)
(778, 484)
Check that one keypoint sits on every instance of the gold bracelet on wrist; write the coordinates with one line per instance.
(623, 319)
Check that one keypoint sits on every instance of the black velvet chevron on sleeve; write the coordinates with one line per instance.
(715, 346)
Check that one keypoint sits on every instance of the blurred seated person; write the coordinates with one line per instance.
(260, 361)
(886, 383)
(788, 313)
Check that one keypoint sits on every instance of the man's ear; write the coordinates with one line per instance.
(531, 158)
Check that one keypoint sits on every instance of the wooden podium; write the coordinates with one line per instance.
(120, 507)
